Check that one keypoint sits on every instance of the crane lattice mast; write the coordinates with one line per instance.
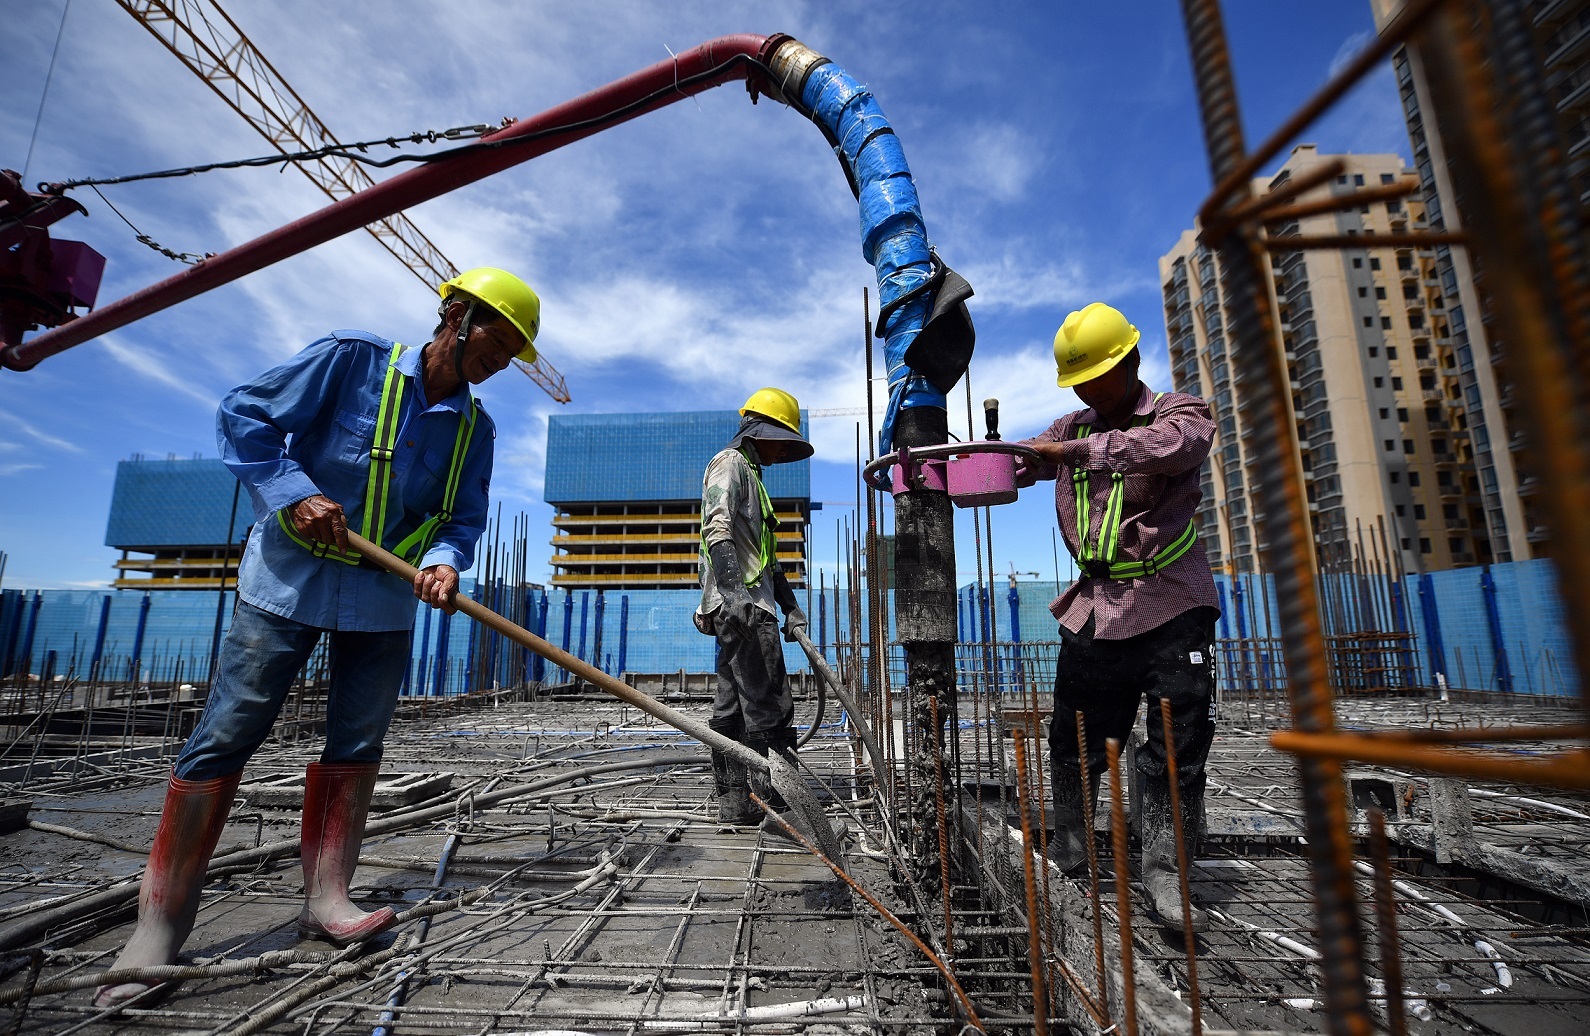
(209, 42)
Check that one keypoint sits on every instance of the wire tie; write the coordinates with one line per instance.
(676, 77)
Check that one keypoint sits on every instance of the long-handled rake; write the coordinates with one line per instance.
(809, 816)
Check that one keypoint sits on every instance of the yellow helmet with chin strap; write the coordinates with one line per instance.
(1092, 340)
(775, 405)
(508, 295)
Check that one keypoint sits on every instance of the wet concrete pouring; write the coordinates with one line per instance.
(587, 887)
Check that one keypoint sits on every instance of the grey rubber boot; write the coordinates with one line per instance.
(730, 781)
(1161, 877)
(1068, 847)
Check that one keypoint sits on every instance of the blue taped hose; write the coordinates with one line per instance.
(893, 237)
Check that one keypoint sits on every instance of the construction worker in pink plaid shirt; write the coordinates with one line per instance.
(1140, 620)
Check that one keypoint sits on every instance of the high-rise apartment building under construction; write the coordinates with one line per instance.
(1549, 70)
(1384, 389)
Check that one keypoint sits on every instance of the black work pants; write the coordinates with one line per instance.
(753, 687)
(1106, 679)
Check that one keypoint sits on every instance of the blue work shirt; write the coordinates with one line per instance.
(306, 427)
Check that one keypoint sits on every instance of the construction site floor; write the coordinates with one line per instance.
(587, 887)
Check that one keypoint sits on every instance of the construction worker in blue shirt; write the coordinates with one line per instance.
(355, 431)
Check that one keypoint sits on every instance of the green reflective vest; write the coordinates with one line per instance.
(1097, 559)
(383, 448)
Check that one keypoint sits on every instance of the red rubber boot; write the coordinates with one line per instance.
(168, 896)
(336, 802)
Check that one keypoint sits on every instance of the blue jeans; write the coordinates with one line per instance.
(260, 658)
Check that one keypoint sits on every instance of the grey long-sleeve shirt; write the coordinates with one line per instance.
(731, 511)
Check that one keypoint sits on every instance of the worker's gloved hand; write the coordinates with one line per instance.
(321, 519)
(436, 586)
(738, 611)
(794, 622)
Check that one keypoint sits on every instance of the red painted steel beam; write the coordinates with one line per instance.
(715, 59)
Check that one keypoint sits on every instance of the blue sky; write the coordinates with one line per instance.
(683, 259)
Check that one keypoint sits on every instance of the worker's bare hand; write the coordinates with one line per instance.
(436, 586)
(320, 518)
(1051, 452)
(1029, 471)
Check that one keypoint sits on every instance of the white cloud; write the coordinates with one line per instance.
(684, 258)
(158, 368)
(1351, 47)
(997, 161)
(1026, 282)
(520, 461)
(37, 434)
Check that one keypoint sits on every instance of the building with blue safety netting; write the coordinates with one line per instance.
(626, 495)
(179, 524)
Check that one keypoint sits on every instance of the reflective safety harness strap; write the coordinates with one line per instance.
(414, 546)
(769, 544)
(1098, 558)
(378, 485)
(382, 450)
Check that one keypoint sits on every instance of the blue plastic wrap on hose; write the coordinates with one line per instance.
(893, 237)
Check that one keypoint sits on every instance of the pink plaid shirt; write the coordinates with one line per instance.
(1161, 462)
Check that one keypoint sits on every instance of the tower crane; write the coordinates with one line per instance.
(209, 42)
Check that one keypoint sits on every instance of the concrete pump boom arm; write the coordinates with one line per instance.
(727, 58)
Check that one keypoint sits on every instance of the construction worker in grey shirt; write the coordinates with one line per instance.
(1141, 619)
(741, 583)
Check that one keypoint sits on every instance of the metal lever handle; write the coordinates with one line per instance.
(991, 417)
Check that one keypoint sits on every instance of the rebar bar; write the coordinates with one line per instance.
(1040, 996)
(1263, 390)
(1183, 868)
(1123, 887)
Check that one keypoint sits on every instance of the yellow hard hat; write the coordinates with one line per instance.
(1092, 340)
(505, 293)
(775, 405)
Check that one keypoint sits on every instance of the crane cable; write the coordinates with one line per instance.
(352, 151)
(355, 151)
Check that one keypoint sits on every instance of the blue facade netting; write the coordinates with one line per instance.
(98, 633)
(617, 458)
(1497, 628)
(1501, 628)
(173, 503)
